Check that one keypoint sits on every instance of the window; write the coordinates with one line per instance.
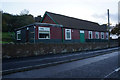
(97, 35)
(44, 33)
(68, 34)
(19, 35)
(106, 35)
(102, 35)
(90, 34)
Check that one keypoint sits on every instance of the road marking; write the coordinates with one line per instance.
(65, 56)
(116, 70)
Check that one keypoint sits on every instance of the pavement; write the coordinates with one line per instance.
(99, 67)
(23, 64)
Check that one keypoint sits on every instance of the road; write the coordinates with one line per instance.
(103, 66)
(19, 64)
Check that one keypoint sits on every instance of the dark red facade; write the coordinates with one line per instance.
(47, 19)
(56, 33)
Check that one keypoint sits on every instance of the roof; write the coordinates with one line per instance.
(40, 24)
(71, 22)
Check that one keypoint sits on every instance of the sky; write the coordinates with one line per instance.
(91, 10)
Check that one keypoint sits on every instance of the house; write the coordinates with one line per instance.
(58, 28)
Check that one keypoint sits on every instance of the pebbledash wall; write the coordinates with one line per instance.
(25, 50)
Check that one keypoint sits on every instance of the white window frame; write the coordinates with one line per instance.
(43, 29)
(66, 30)
(102, 33)
(97, 34)
(82, 31)
(91, 35)
(18, 33)
(107, 35)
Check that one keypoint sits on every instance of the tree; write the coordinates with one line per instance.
(11, 22)
(24, 12)
(6, 21)
(116, 30)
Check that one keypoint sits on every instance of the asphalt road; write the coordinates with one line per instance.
(103, 66)
(10, 64)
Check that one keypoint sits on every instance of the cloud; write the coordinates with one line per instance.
(103, 17)
(114, 17)
(99, 16)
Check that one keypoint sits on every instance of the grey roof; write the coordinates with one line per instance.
(40, 24)
(71, 22)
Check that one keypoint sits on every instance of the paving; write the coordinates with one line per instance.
(23, 64)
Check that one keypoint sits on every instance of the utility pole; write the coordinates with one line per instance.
(108, 27)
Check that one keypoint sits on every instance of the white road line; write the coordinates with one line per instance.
(116, 70)
(109, 74)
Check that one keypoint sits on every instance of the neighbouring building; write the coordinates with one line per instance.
(119, 12)
(56, 28)
(38, 18)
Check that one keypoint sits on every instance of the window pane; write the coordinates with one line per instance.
(102, 35)
(42, 35)
(44, 32)
(19, 36)
(96, 36)
(68, 34)
(90, 35)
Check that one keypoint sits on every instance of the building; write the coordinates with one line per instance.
(38, 18)
(56, 28)
(119, 12)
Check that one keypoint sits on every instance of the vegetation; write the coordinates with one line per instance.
(116, 30)
(7, 37)
(10, 22)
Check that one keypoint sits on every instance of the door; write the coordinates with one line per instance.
(82, 36)
(27, 35)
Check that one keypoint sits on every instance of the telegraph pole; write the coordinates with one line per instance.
(108, 28)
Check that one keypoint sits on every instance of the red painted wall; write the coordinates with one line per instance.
(86, 34)
(55, 33)
(104, 35)
(75, 34)
(36, 32)
(93, 34)
(99, 35)
(64, 33)
(47, 19)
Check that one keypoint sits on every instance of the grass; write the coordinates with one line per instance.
(6, 38)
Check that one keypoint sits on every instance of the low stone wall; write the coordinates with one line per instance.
(25, 50)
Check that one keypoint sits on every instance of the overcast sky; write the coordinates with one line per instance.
(92, 10)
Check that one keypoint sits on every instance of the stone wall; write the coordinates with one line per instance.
(25, 50)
